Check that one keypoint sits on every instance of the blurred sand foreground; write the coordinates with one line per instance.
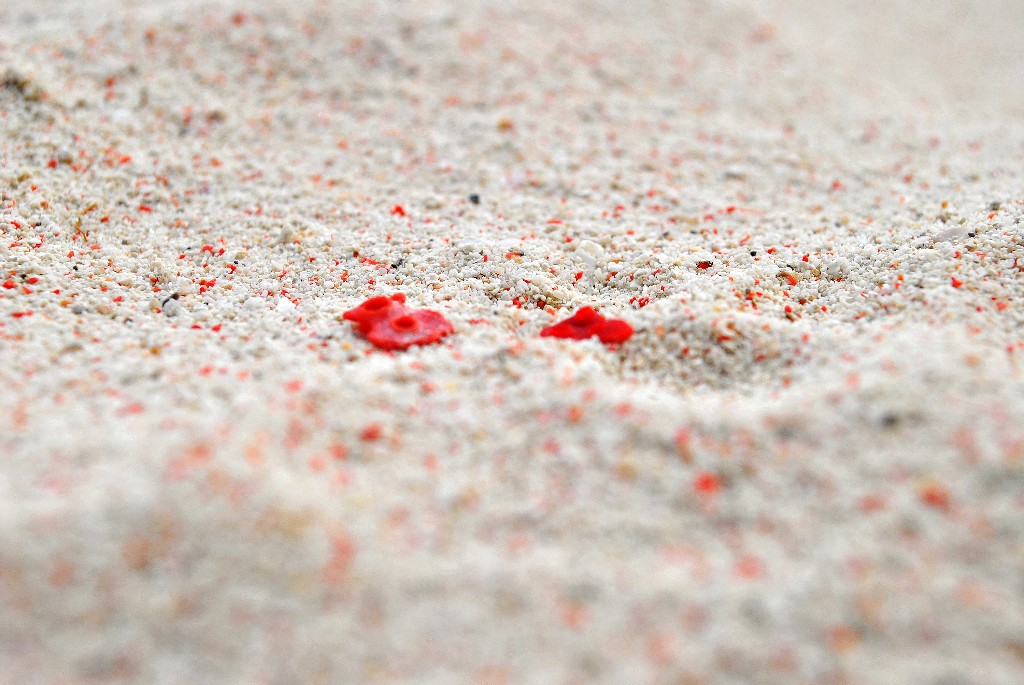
(806, 465)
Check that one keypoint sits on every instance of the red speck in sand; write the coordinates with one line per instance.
(871, 503)
(955, 283)
(398, 209)
(587, 323)
(934, 495)
(574, 615)
(371, 432)
(749, 567)
(343, 553)
(388, 324)
(706, 483)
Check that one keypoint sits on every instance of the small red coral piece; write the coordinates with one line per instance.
(387, 323)
(581, 325)
(414, 327)
(373, 310)
(614, 331)
(587, 323)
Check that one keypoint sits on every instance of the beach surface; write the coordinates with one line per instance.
(805, 466)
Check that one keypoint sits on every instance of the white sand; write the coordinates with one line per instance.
(233, 487)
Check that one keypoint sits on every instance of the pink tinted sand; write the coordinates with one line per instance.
(804, 465)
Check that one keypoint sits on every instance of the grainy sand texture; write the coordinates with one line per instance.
(805, 466)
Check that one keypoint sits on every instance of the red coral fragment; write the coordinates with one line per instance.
(373, 310)
(614, 331)
(388, 324)
(414, 327)
(587, 323)
(581, 325)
